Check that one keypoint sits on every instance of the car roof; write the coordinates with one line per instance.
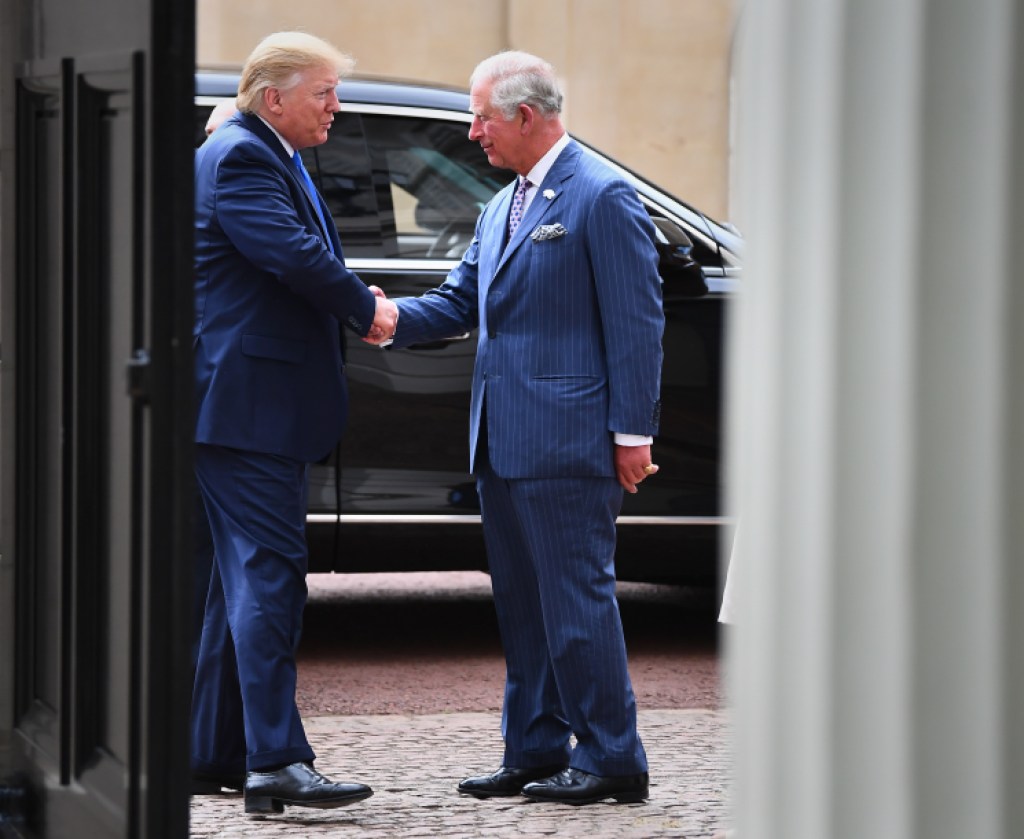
(368, 91)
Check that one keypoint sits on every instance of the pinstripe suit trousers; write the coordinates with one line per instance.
(551, 547)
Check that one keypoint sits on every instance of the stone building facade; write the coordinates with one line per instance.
(646, 81)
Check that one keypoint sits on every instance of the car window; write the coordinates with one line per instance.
(433, 181)
(202, 113)
(413, 187)
(340, 168)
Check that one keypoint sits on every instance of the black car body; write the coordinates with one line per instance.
(405, 185)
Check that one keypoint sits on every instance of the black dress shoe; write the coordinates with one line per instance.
(299, 785)
(574, 786)
(208, 783)
(506, 781)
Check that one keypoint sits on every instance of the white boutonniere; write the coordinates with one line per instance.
(544, 232)
(549, 194)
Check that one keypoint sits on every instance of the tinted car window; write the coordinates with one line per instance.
(341, 170)
(202, 115)
(433, 181)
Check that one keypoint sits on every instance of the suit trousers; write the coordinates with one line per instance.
(244, 715)
(551, 549)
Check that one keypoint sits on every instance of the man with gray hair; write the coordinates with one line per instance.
(561, 279)
(271, 289)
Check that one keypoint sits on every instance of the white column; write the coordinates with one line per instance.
(877, 399)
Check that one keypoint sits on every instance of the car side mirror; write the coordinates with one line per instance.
(681, 274)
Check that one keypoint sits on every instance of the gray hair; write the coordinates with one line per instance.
(279, 60)
(519, 78)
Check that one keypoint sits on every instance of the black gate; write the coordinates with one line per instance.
(95, 426)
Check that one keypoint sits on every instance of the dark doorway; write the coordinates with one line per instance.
(95, 417)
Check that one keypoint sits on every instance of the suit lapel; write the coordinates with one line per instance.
(260, 129)
(493, 236)
(543, 202)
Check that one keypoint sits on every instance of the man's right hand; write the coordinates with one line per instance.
(385, 321)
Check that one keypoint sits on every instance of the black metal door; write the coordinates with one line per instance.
(95, 426)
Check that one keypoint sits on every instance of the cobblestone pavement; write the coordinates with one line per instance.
(414, 762)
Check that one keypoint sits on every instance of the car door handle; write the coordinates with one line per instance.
(440, 345)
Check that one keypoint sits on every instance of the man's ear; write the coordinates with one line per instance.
(526, 112)
(272, 100)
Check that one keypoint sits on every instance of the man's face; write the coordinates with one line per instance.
(501, 139)
(219, 114)
(304, 112)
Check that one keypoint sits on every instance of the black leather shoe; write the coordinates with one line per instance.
(298, 785)
(574, 786)
(207, 783)
(506, 781)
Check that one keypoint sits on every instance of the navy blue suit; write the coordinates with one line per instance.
(570, 324)
(270, 398)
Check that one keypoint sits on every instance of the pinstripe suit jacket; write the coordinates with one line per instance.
(570, 326)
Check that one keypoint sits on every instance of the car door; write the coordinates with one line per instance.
(431, 182)
(406, 448)
(405, 451)
(405, 186)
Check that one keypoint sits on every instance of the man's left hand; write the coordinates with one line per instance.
(633, 466)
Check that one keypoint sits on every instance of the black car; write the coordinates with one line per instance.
(405, 185)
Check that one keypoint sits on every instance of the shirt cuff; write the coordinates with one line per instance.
(632, 440)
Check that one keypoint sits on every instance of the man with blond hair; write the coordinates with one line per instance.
(271, 290)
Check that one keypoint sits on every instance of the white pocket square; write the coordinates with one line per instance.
(547, 231)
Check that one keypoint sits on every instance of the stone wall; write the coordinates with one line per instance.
(646, 81)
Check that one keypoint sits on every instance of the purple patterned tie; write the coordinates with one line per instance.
(516, 214)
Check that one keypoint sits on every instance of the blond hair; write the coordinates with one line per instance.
(278, 61)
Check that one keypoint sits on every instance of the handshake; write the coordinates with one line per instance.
(385, 320)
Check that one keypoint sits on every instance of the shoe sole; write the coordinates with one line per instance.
(271, 804)
(477, 794)
(482, 792)
(619, 798)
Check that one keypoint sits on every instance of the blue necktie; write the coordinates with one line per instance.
(311, 191)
